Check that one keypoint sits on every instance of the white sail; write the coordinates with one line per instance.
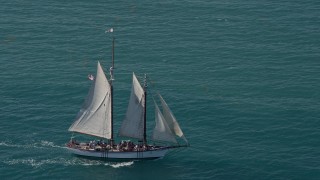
(162, 131)
(132, 125)
(171, 120)
(94, 117)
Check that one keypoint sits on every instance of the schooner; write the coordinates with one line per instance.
(95, 119)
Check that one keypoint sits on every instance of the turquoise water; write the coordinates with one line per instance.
(242, 78)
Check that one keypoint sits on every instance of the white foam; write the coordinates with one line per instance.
(50, 144)
(122, 164)
(31, 162)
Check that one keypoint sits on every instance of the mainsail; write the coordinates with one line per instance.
(132, 125)
(94, 117)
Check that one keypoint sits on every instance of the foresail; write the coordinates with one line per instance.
(162, 131)
(94, 117)
(132, 125)
(171, 120)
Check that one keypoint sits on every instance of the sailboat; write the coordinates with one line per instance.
(95, 119)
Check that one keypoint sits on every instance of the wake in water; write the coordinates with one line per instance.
(66, 162)
(39, 145)
(47, 147)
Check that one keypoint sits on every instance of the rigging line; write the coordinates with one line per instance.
(148, 80)
(72, 135)
(150, 88)
(152, 93)
(105, 122)
(177, 150)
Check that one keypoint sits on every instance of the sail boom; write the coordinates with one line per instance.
(90, 134)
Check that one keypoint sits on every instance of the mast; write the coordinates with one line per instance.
(145, 111)
(111, 80)
(112, 53)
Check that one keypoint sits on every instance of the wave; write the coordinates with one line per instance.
(10, 145)
(66, 162)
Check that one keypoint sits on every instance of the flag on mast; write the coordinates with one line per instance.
(109, 30)
(91, 77)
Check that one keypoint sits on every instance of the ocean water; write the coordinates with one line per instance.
(242, 78)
